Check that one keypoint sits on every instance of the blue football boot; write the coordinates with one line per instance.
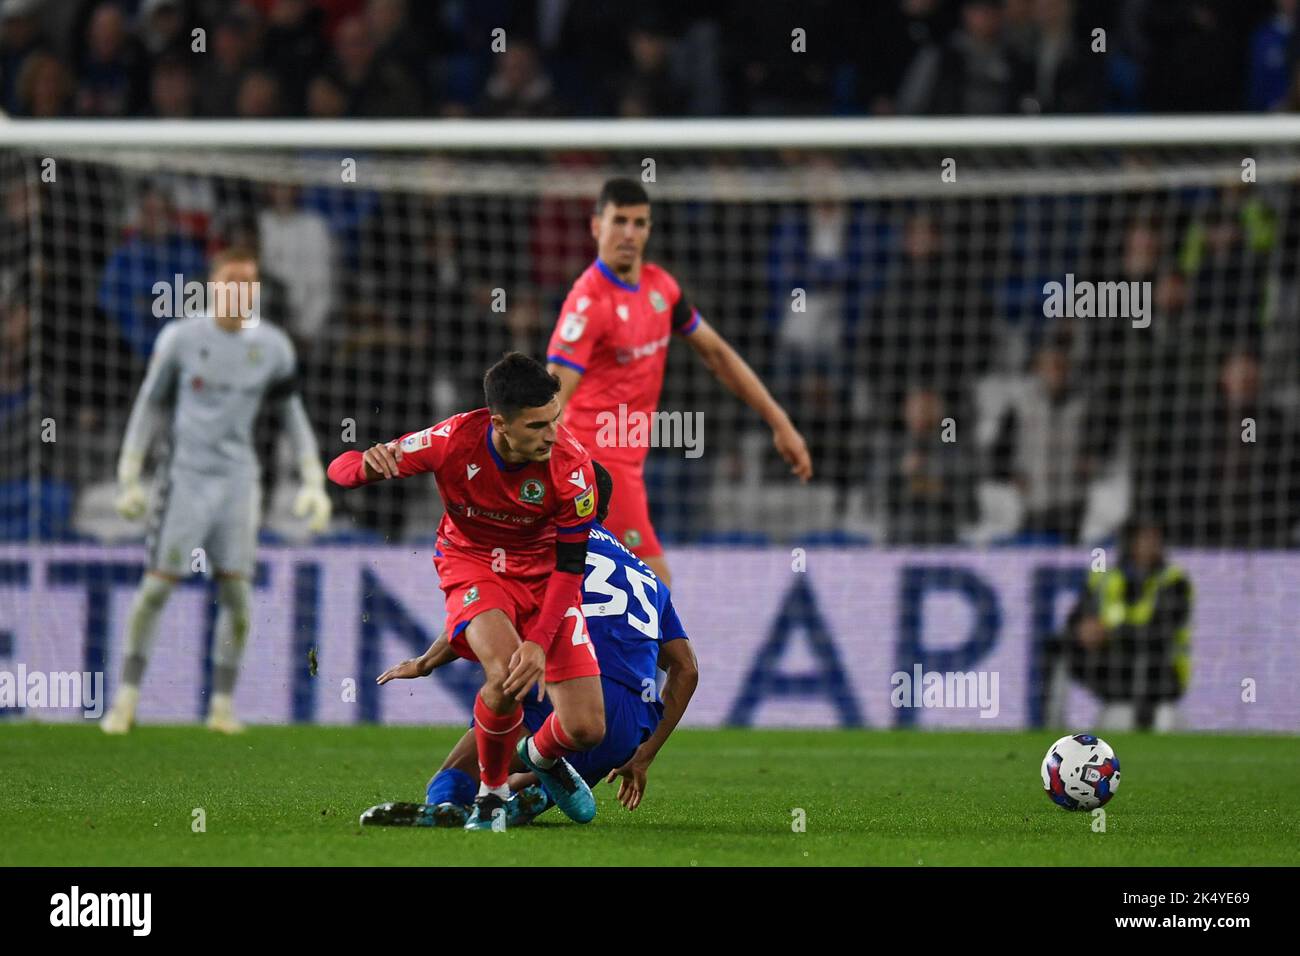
(563, 786)
(489, 809)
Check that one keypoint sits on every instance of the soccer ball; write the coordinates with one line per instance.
(1080, 772)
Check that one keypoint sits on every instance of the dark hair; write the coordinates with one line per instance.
(604, 490)
(621, 192)
(517, 382)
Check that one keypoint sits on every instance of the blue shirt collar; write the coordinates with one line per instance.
(608, 273)
(496, 456)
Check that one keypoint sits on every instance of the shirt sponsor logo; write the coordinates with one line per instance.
(641, 351)
(417, 440)
(574, 325)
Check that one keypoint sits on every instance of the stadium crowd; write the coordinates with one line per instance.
(395, 58)
(918, 313)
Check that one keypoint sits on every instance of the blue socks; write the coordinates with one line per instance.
(451, 786)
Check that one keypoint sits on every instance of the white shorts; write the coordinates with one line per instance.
(220, 514)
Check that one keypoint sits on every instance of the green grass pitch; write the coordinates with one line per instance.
(70, 796)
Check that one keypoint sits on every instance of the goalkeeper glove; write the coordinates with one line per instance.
(131, 499)
(312, 501)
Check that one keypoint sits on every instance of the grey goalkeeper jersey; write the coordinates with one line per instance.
(208, 385)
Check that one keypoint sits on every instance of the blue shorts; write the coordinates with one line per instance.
(629, 721)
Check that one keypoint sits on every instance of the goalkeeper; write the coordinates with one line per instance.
(208, 378)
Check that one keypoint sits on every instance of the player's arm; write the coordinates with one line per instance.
(576, 335)
(677, 657)
(411, 454)
(438, 654)
(147, 416)
(569, 378)
(735, 374)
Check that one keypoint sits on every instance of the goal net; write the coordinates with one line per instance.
(989, 346)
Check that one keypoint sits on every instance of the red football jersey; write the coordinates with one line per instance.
(490, 505)
(617, 336)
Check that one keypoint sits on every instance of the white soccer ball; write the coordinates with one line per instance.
(1080, 772)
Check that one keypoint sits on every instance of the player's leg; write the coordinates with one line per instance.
(179, 522)
(577, 723)
(141, 631)
(497, 716)
(234, 614)
(233, 552)
(629, 721)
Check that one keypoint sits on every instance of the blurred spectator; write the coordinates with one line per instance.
(45, 87)
(974, 73)
(518, 87)
(110, 67)
(20, 37)
(233, 40)
(1225, 254)
(925, 485)
(930, 322)
(161, 27)
(294, 46)
(775, 79)
(396, 39)
(172, 89)
(153, 252)
(912, 26)
(374, 86)
(1069, 77)
(652, 85)
(1225, 472)
(296, 248)
(1196, 57)
(1271, 61)
(1040, 447)
(325, 98)
(259, 95)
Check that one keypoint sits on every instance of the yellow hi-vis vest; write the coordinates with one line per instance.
(1108, 589)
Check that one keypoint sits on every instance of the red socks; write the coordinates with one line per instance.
(550, 740)
(495, 735)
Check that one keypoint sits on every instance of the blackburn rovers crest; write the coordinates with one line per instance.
(531, 492)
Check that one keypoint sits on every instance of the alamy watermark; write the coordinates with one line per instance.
(54, 689)
(635, 429)
(1101, 300)
(946, 689)
(179, 298)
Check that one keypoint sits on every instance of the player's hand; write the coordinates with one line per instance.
(791, 446)
(131, 500)
(314, 504)
(414, 667)
(527, 666)
(632, 787)
(382, 459)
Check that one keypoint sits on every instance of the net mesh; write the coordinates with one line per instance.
(897, 302)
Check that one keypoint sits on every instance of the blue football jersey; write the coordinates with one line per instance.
(629, 612)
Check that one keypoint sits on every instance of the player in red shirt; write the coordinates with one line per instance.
(520, 496)
(609, 349)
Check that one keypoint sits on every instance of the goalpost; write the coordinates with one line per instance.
(994, 333)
